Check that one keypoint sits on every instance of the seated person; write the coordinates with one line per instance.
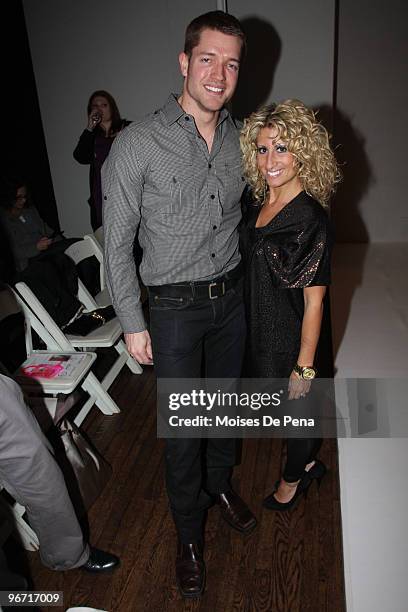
(27, 233)
(30, 474)
(39, 258)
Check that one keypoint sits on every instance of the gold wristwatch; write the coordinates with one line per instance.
(306, 372)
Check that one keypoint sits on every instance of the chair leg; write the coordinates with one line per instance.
(109, 378)
(131, 363)
(26, 535)
(83, 413)
(98, 396)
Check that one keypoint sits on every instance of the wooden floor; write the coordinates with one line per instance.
(291, 563)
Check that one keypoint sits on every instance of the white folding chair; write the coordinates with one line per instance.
(109, 335)
(78, 251)
(55, 372)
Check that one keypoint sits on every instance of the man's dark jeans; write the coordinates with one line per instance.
(192, 339)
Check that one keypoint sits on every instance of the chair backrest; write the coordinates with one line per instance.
(98, 235)
(38, 319)
(8, 304)
(78, 251)
(97, 247)
(87, 247)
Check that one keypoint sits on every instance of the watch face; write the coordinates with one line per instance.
(308, 373)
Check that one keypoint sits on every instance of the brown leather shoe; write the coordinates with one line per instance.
(190, 569)
(235, 512)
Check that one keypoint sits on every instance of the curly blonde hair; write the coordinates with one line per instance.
(305, 138)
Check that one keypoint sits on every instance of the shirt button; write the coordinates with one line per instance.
(105, 197)
(214, 227)
(212, 196)
(212, 254)
(187, 118)
(210, 165)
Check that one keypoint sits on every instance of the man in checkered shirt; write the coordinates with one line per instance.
(177, 176)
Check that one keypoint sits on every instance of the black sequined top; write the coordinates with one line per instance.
(291, 252)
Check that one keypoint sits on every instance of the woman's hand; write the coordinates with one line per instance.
(93, 120)
(44, 243)
(298, 386)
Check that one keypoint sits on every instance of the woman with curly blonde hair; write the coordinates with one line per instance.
(286, 243)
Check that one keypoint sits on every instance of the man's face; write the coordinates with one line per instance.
(211, 73)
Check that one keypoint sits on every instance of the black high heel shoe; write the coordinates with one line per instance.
(271, 503)
(316, 472)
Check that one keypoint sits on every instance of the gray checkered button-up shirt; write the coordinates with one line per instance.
(160, 174)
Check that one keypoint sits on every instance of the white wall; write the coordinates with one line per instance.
(306, 32)
(370, 334)
(373, 94)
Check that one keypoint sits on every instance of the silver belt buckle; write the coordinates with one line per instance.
(211, 285)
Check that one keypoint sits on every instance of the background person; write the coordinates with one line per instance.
(286, 242)
(104, 123)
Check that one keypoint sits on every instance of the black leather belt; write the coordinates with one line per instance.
(198, 290)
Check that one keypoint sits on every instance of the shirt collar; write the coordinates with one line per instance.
(173, 111)
(225, 115)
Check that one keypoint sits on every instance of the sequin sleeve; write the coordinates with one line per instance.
(298, 250)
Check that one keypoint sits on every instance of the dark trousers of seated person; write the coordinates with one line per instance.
(186, 337)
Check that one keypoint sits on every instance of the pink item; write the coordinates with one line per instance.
(43, 370)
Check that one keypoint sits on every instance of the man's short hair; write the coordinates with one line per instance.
(214, 20)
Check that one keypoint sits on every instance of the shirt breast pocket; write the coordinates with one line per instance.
(184, 192)
(233, 181)
(170, 191)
